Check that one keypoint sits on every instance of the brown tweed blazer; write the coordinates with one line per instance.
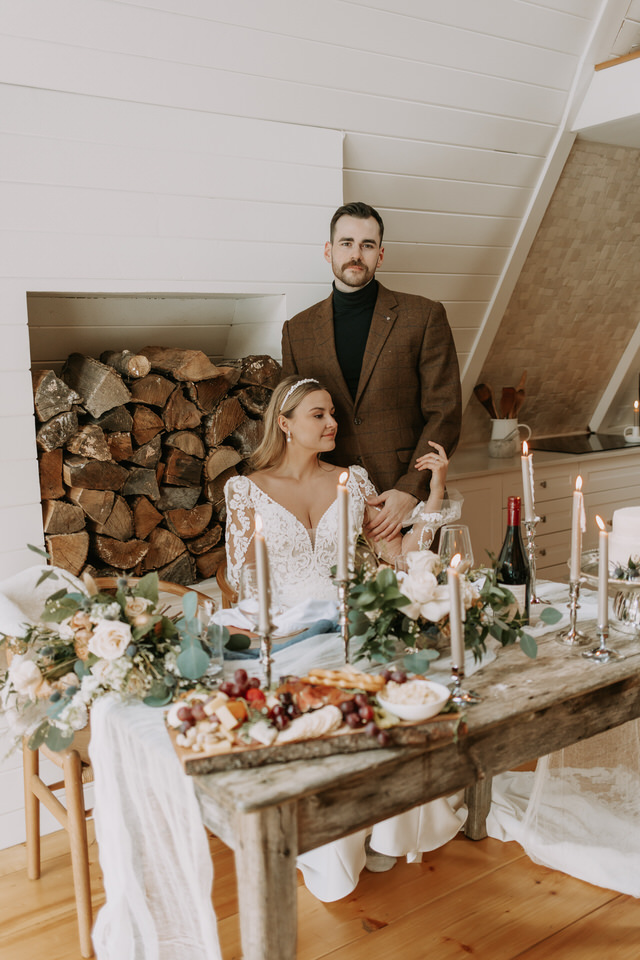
(409, 389)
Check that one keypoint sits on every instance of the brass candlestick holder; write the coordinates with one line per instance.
(343, 607)
(572, 637)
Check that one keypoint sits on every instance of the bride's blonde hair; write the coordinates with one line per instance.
(284, 400)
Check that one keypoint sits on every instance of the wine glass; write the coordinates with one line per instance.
(455, 538)
(248, 598)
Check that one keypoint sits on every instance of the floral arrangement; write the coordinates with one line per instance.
(412, 609)
(630, 572)
(98, 643)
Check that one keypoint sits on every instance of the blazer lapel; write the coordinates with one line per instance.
(384, 317)
(326, 345)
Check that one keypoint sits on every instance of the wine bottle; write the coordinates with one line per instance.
(513, 566)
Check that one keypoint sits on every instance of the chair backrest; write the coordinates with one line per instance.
(109, 584)
(229, 595)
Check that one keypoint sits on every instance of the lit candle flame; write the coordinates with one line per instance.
(258, 523)
(455, 560)
(342, 479)
(578, 483)
(525, 448)
(635, 404)
(600, 522)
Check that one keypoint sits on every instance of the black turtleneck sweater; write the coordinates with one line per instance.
(352, 313)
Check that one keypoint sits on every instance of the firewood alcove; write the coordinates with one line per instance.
(134, 451)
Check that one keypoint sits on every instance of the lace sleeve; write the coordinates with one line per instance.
(239, 525)
(362, 483)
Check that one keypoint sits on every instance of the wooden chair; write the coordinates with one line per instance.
(229, 595)
(77, 772)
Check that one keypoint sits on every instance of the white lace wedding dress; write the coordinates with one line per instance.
(300, 562)
(300, 559)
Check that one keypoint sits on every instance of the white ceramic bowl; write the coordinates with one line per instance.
(418, 711)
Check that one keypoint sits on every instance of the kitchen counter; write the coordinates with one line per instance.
(474, 461)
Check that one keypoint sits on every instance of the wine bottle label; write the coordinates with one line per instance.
(519, 591)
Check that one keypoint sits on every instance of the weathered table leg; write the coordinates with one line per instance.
(478, 801)
(265, 855)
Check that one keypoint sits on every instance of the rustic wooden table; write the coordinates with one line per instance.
(529, 709)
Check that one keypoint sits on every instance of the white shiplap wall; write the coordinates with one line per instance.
(193, 148)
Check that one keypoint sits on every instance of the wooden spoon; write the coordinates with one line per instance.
(484, 393)
(518, 402)
(507, 401)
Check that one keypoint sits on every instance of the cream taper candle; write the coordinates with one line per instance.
(455, 613)
(603, 575)
(342, 566)
(576, 531)
(526, 461)
(262, 577)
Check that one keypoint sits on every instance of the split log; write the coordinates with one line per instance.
(208, 563)
(126, 363)
(95, 474)
(218, 425)
(214, 491)
(50, 470)
(178, 498)
(187, 441)
(90, 442)
(181, 571)
(119, 523)
(100, 387)
(254, 399)
(180, 413)
(56, 431)
(181, 364)
(95, 504)
(261, 371)
(146, 425)
(141, 482)
(148, 455)
(119, 555)
(145, 517)
(61, 517)
(206, 542)
(120, 446)
(118, 420)
(207, 393)
(68, 550)
(51, 395)
(189, 523)
(219, 460)
(153, 389)
(247, 437)
(164, 547)
(181, 470)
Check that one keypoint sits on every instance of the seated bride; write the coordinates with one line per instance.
(295, 493)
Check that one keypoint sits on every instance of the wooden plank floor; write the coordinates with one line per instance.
(482, 900)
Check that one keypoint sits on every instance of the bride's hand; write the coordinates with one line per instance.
(437, 462)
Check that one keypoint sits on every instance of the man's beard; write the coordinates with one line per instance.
(359, 279)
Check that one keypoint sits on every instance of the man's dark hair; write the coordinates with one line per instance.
(357, 209)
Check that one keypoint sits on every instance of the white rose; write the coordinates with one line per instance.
(438, 606)
(25, 676)
(422, 562)
(110, 639)
(135, 606)
(421, 588)
(74, 715)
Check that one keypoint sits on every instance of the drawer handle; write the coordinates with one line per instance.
(543, 519)
(543, 484)
(542, 552)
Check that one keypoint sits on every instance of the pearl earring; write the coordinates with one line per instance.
(288, 436)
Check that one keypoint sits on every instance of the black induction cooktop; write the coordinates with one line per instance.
(584, 443)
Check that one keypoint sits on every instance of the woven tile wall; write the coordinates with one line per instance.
(577, 300)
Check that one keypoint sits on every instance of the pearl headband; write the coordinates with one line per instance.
(295, 387)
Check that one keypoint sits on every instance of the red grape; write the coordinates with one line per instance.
(353, 720)
(240, 677)
(184, 713)
(361, 700)
(366, 713)
(348, 706)
(383, 738)
(372, 729)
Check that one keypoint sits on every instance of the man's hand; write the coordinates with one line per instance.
(394, 506)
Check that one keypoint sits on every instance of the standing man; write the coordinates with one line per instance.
(388, 360)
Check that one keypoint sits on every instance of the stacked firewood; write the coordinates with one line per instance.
(134, 452)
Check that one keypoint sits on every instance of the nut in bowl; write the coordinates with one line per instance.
(413, 700)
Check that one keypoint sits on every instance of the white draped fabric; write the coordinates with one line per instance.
(579, 812)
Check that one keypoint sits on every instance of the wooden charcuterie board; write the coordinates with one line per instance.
(444, 726)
